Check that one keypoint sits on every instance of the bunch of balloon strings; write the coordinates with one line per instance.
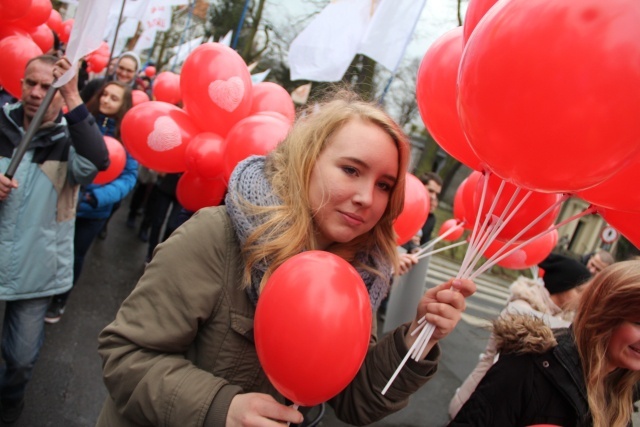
(484, 232)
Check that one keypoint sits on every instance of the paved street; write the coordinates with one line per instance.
(67, 389)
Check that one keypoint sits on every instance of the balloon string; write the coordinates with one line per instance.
(475, 245)
(453, 245)
(505, 247)
(495, 259)
(501, 225)
(467, 255)
(432, 242)
(294, 406)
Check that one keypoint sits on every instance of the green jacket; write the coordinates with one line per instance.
(181, 346)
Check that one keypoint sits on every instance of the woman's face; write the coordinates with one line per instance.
(351, 182)
(126, 70)
(624, 347)
(111, 100)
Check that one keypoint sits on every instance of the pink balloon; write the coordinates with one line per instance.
(255, 135)
(195, 192)
(166, 88)
(138, 97)
(204, 155)
(268, 96)
(118, 160)
(216, 87)
(313, 317)
(527, 256)
(157, 135)
(415, 211)
(436, 93)
(11, 10)
(15, 52)
(43, 37)
(448, 225)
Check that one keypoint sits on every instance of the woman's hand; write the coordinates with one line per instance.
(442, 306)
(256, 409)
(406, 261)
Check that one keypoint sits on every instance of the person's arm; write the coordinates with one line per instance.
(362, 401)
(86, 138)
(117, 189)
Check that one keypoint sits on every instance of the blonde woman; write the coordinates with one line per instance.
(585, 375)
(180, 350)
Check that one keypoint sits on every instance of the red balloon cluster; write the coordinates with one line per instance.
(496, 97)
(220, 125)
(313, 317)
(98, 59)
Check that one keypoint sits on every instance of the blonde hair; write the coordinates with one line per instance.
(288, 229)
(612, 298)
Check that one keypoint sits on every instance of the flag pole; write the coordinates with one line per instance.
(34, 125)
(236, 36)
(115, 37)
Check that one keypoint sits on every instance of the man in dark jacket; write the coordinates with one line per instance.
(37, 215)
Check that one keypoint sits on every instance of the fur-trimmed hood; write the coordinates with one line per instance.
(521, 333)
(534, 293)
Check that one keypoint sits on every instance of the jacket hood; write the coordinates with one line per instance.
(534, 293)
(520, 333)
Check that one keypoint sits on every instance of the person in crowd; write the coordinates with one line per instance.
(584, 375)
(126, 68)
(597, 261)
(552, 298)
(97, 201)
(144, 186)
(433, 183)
(162, 201)
(37, 215)
(180, 350)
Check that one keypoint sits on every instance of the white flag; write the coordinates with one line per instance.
(390, 31)
(86, 33)
(259, 77)
(324, 50)
(158, 16)
(145, 41)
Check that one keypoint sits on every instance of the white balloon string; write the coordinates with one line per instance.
(425, 340)
(505, 247)
(495, 259)
(501, 225)
(294, 406)
(432, 242)
(467, 255)
(453, 245)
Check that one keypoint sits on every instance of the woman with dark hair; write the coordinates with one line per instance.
(98, 201)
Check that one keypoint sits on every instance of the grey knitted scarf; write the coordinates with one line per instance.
(248, 183)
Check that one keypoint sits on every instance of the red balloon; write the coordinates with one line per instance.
(43, 37)
(475, 11)
(195, 192)
(166, 88)
(415, 211)
(204, 155)
(118, 159)
(619, 192)
(267, 96)
(254, 135)
(531, 209)
(527, 256)
(273, 114)
(39, 13)
(313, 318)
(469, 199)
(15, 52)
(7, 30)
(11, 10)
(55, 21)
(65, 31)
(157, 135)
(532, 94)
(448, 225)
(150, 71)
(216, 87)
(138, 97)
(437, 98)
(625, 222)
(458, 204)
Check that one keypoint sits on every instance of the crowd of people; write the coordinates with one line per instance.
(565, 351)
